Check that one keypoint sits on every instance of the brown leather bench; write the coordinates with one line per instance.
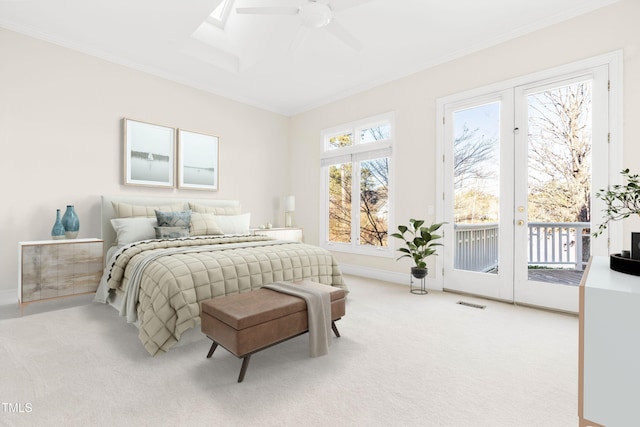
(252, 321)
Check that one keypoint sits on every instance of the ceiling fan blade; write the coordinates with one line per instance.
(340, 5)
(343, 35)
(272, 10)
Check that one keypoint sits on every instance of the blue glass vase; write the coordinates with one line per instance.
(71, 223)
(57, 232)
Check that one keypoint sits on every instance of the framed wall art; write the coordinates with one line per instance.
(198, 160)
(149, 154)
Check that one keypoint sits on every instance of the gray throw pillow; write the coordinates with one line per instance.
(173, 219)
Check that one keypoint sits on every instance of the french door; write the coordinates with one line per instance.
(519, 179)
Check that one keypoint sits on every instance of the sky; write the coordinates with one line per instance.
(485, 118)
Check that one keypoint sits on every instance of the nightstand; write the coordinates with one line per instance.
(290, 233)
(56, 268)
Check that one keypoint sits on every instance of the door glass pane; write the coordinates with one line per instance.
(374, 198)
(559, 182)
(477, 188)
(340, 202)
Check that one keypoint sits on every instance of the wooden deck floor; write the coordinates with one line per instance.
(565, 277)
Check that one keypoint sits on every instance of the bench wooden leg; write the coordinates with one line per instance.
(243, 369)
(212, 349)
(246, 359)
(335, 328)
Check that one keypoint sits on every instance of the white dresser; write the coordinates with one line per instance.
(609, 360)
(291, 233)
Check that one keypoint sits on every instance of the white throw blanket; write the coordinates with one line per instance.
(318, 300)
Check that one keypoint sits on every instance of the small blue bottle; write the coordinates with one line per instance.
(57, 232)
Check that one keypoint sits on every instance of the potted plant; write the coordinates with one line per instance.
(419, 241)
(622, 200)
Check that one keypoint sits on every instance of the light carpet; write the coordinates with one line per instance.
(402, 360)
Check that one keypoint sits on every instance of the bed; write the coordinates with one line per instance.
(157, 273)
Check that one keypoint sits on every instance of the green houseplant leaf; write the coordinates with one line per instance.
(621, 201)
(419, 241)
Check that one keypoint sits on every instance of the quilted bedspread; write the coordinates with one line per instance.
(164, 281)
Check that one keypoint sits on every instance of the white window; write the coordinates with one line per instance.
(356, 167)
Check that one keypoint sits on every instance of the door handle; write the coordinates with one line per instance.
(520, 222)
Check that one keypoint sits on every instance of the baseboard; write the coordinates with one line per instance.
(387, 276)
(9, 296)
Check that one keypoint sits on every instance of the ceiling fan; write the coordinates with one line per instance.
(315, 14)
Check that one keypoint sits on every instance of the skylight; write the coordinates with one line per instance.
(220, 14)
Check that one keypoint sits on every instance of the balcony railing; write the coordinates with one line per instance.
(563, 244)
(476, 246)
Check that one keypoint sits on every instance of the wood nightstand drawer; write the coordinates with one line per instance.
(57, 268)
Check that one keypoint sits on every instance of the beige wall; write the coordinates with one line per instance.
(414, 101)
(60, 129)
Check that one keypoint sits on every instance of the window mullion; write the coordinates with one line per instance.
(355, 204)
(355, 190)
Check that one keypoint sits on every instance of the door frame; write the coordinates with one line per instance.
(614, 62)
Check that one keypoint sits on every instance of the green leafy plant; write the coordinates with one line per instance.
(622, 200)
(419, 241)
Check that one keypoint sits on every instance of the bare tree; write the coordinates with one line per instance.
(471, 170)
(560, 153)
(374, 194)
(471, 151)
(340, 203)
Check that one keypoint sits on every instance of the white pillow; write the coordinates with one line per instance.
(234, 224)
(131, 230)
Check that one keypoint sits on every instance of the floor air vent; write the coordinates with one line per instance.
(468, 304)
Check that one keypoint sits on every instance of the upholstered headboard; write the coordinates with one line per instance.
(108, 213)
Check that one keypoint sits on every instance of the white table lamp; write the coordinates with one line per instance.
(289, 208)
